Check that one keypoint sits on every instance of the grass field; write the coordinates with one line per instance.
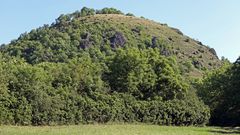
(116, 130)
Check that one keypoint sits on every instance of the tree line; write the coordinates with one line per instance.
(130, 86)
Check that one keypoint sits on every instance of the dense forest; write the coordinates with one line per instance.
(104, 66)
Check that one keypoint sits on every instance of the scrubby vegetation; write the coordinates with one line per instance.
(92, 67)
(129, 85)
(220, 90)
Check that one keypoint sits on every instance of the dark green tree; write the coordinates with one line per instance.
(220, 90)
(109, 11)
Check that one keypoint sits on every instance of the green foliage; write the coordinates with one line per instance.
(220, 90)
(129, 86)
(73, 72)
(187, 66)
(130, 14)
(146, 74)
(109, 11)
(87, 11)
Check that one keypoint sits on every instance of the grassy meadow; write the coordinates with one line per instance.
(116, 130)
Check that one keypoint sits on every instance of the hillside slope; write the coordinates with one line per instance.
(69, 36)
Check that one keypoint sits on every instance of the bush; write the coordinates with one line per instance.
(74, 92)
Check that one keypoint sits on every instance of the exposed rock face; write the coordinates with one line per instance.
(85, 41)
(197, 64)
(84, 44)
(118, 40)
(154, 42)
(165, 52)
(212, 50)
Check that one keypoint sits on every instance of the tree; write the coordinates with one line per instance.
(229, 110)
(220, 90)
(87, 11)
(146, 74)
(109, 11)
(6, 115)
(130, 14)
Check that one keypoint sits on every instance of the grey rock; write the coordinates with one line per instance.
(118, 40)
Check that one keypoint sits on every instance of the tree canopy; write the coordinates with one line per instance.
(220, 90)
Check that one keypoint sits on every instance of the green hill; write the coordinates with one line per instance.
(73, 33)
(99, 66)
